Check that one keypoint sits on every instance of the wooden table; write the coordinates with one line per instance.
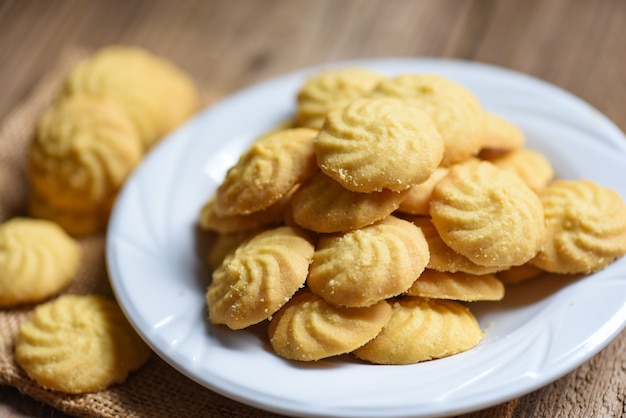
(226, 45)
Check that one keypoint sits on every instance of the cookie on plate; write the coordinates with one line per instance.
(79, 344)
(586, 226)
(332, 89)
(376, 144)
(364, 266)
(37, 260)
(308, 328)
(457, 286)
(422, 329)
(259, 277)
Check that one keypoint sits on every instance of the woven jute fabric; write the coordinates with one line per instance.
(156, 390)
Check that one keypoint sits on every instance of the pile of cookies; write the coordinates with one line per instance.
(391, 203)
(112, 108)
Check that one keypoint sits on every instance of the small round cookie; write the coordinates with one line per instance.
(332, 89)
(79, 344)
(258, 278)
(532, 166)
(421, 329)
(442, 257)
(417, 201)
(266, 172)
(323, 205)
(455, 110)
(83, 150)
(156, 95)
(308, 328)
(457, 286)
(488, 214)
(364, 266)
(376, 144)
(272, 215)
(586, 226)
(500, 135)
(37, 260)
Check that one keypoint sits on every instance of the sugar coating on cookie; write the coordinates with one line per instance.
(488, 214)
(79, 344)
(323, 205)
(83, 150)
(37, 260)
(308, 328)
(457, 286)
(376, 144)
(259, 277)
(332, 89)
(362, 267)
(586, 226)
(455, 110)
(266, 172)
(154, 93)
(422, 329)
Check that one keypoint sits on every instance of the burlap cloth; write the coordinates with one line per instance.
(156, 390)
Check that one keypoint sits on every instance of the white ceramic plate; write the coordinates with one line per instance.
(541, 331)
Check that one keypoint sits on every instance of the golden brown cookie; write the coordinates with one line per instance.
(456, 111)
(364, 266)
(417, 201)
(442, 257)
(422, 329)
(457, 286)
(488, 214)
(586, 226)
(37, 260)
(83, 150)
(376, 144)
(155, 94)
(266, 172)
(332, 89)
(323, 205)
(79, 344)
(500, 135)
(259, 277)
(532, 166)
(308, 328)
(519, 274)
(273, 215)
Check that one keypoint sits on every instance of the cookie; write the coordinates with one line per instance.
(488, 214)
(532, 167)
(308, 328)
(519, 274)
(362, 267)
(586, 226)
(266, 172)
(500, 135)
(332, 89)
(323, 205)
(442, 257)
(376, 144)
(37, 260)
(457, 286)
(273, 215)
(155, 94)
(422, 329)
(259, 277)
(417, 201)
(83, 150)
(79, 344)
(455, 110)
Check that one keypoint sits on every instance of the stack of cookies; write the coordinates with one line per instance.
(371, 224)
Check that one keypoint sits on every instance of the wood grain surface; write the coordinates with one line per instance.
(226, 45)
